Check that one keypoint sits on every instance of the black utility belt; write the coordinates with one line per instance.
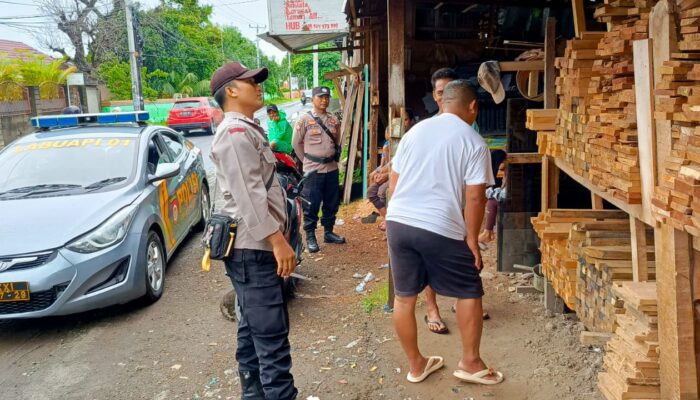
(320, 160)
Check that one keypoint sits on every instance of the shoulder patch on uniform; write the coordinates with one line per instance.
(237, 129)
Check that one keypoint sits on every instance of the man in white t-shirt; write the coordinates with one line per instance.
(441, 164)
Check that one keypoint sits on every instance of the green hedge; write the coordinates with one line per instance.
(158, 112)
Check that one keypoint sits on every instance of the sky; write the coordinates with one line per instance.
(238, 13)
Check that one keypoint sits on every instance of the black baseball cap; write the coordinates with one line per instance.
(321, 91)
(272, 107)
(232, 71)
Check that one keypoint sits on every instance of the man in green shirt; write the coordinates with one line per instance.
(279, 132)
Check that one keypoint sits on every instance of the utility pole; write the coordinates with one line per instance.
(289, 72)
(316, 66)
(136, 91)
(257, 39)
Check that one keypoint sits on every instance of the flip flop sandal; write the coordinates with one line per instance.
(442, 331)
(479, 377)
(434, 364)
(485, 315)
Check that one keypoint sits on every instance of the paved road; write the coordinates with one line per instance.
(203, 141)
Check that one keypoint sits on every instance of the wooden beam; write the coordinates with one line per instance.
(339, 91)
(579, 17)
(676, 323)
(524, 158)
(596, 202)
(514, 66)
(640, 264)
(533, 83)
(677, 333)
(311, 51)
(646, 129)
(550, 94)
(355, 139)
(342, 72)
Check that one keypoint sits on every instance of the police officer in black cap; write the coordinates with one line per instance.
(245, 173)
(316, 141)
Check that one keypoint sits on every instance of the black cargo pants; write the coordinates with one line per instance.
(321, 189)
(263, 329)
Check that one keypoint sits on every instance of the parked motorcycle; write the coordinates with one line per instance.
(293, 183)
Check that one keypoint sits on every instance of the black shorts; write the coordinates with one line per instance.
(420, 258)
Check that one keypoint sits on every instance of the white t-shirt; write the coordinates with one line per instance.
(435, 160)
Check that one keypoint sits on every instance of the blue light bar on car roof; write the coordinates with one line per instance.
(68, 120)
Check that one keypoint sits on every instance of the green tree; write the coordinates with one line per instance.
(47, 76)
(303, 65)
(187, 85)
(117, 76)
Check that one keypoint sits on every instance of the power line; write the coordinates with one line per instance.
(159, 27)
(16, 3)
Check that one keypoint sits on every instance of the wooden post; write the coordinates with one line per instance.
(596, 202)
(676, 323)
(550, 172)
(640, 264)
(646, 129)
(579, 17)
(396, 21)
(674, 268)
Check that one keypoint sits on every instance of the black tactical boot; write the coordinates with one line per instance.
(331, 237)
(311, 242)
(251, 388)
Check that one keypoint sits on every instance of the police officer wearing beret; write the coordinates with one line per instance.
(315, 140)
(245, 173)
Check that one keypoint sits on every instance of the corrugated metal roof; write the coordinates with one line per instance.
(299, 41)
(19, 50)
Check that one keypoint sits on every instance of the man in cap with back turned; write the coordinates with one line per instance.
(245, 173)
(315, 140)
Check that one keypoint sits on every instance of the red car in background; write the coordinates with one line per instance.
(195, 113)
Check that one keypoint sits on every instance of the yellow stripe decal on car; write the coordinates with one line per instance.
(165, 213)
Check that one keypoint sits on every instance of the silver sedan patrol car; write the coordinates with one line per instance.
(92, 206)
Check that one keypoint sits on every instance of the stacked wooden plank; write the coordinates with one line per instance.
(605, 259)
(612, 135)
(562, 236)
(677, 198)
(631, 363)
(544, 122)
(575, 73)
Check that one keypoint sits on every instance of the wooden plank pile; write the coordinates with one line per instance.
(575, 73)
(631, 362)
(597, 113)
(612, 135)
(677, 198)
(605, 259)
(563, 235)
(544, 122)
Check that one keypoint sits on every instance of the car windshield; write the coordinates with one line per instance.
(62, 164)
(187, 104)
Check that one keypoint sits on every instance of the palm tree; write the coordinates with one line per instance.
(10, 79)
(186, 85)
(48, 76)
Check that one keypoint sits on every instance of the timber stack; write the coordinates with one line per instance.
(613, 136)
(605, 259)
(575, 74)
(544, 122)
(631, 362)
(677, 198)
(564, 235)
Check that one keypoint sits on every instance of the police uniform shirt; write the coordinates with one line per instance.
(309, 138)
(244, 163)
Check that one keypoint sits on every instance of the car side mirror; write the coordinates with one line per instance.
(164, 171)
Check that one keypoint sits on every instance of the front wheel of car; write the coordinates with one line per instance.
(155, 268)
(204, 208)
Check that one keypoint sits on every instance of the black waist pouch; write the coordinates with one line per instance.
(219, 236)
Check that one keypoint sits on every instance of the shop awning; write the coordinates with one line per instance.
(294, 42)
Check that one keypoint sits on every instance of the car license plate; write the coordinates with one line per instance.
(185, 113)
(14, 291)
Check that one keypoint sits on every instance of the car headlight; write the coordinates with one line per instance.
(109, 233)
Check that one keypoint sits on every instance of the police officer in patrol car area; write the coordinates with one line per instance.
(315, 140)
(245, 173)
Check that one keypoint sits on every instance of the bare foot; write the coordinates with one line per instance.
(476, 366)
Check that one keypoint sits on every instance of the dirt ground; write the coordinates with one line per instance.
(182, 347)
